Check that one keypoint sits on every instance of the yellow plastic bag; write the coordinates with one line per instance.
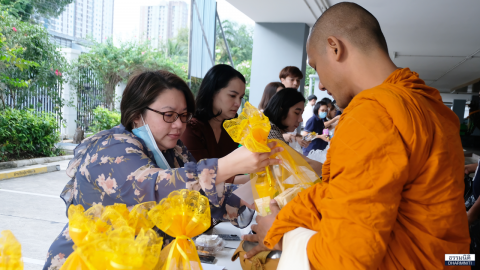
(250, 129)
(112, 237)
(10, 252)
(125, 251)
(183, 214)
(294, 174)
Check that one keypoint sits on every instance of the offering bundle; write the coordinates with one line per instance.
(112, 237)
(183, 214)
(10, 252)
(282, 182)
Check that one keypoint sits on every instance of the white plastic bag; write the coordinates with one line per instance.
(295, 145)
(319, 155)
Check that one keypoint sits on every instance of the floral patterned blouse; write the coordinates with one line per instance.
(115, 166)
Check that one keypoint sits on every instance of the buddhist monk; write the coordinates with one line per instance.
(392, 190)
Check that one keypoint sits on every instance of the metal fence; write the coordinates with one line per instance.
(89, 96)
(40, 99)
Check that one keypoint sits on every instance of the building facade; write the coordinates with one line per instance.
(163, 21)
(82, 19)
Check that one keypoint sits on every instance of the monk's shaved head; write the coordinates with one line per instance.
(351, 22)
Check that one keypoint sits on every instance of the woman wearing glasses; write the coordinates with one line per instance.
(143, 159)
(219, 98)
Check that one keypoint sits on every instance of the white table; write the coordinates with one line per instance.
(224, 257)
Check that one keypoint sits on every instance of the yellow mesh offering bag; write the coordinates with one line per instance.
(284, 181)
(10, 252)
(112, 237)
(125, 251)
(183, 214)
(250, 129)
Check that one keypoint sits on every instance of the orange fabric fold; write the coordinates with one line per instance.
(392, 190)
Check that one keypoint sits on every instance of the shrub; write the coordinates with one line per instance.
(42, 63)
(27, 134)
(104, 119)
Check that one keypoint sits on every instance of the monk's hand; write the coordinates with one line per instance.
(261, 229)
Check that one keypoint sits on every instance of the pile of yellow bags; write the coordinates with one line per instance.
(10, 252)
(282, 182)
(112, 237)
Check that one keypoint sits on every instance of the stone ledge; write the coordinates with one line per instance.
(14, 173)
(33, 161)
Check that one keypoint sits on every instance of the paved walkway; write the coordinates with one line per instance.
(31, 208)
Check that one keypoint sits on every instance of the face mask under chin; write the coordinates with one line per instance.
(146, 135)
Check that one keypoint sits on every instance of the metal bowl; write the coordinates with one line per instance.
(247, 246)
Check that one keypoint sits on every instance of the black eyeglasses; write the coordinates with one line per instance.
(171, 117)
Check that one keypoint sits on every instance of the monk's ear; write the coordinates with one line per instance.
(334, 48)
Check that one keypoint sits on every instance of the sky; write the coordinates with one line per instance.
(126, 17)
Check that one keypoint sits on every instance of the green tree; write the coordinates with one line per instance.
(24, 9)
(245, 68)
(308, 72)
(8, 59)
(240, 42)
(42, 66)
(111, 64)
(177, 48)
(182, 36)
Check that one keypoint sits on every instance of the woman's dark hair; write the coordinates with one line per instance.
(281, 102)
(268, 93)
(144, 88)
(317, 107)
(216, 78)
(328, 101)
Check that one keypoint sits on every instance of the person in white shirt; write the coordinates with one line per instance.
(308, 112)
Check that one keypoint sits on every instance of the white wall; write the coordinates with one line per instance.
(69, 113)
(118, 94)
(275, 46)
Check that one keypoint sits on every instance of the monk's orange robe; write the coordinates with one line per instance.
(392, 191)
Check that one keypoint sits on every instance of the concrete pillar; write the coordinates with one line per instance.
(118, 94)
(275, 46)
(69, 110)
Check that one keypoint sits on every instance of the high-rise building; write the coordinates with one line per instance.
(162, 21)
(82, 19)
(65, 22)
(178, 12)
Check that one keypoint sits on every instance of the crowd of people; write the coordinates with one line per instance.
(390, 196)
